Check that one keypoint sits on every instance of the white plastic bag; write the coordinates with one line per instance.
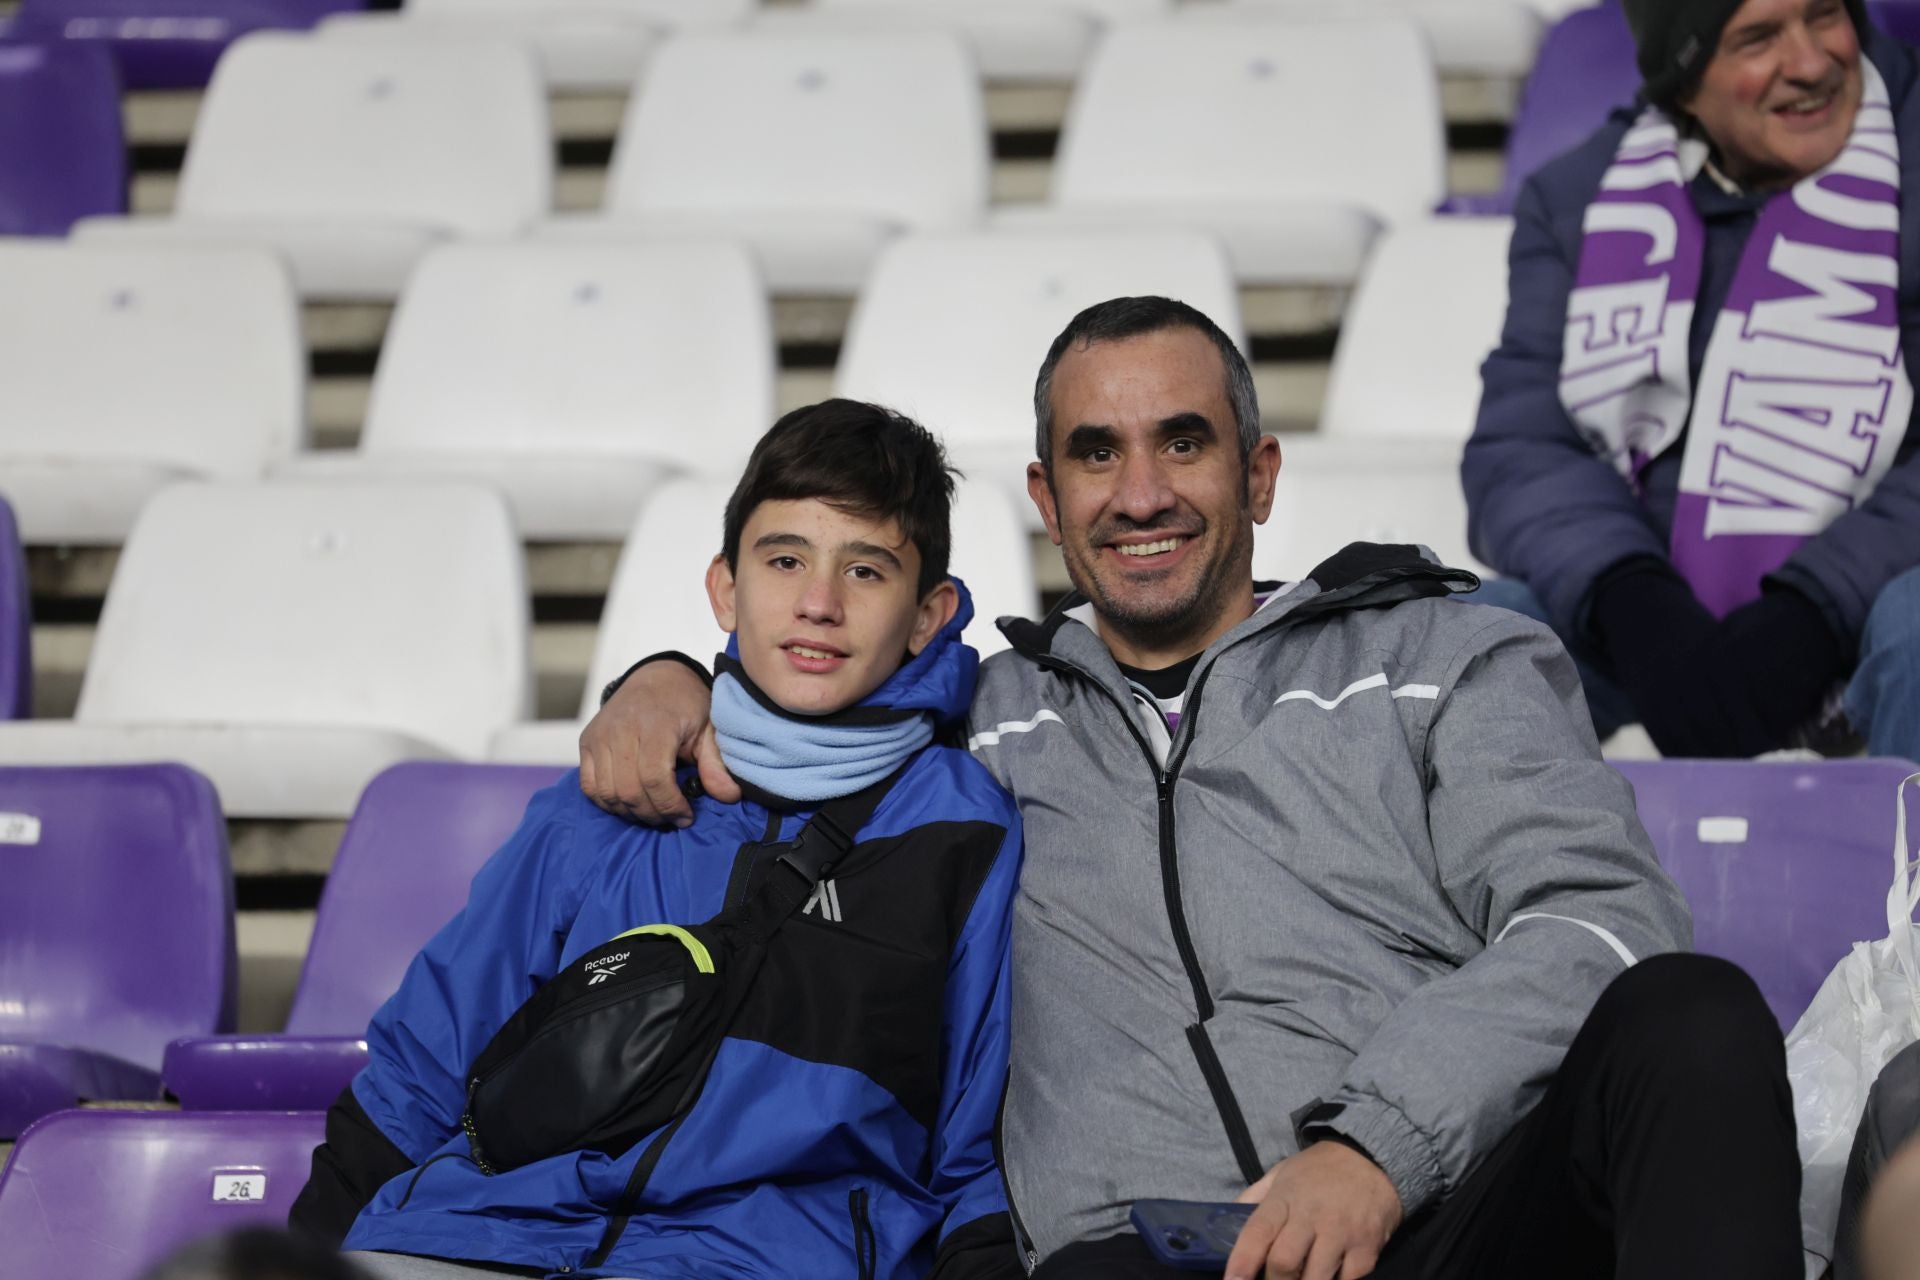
(1866, 1011)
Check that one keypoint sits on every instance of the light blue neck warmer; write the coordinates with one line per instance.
(808, 759)
(803, 759)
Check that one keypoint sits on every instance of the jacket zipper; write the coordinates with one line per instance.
(1029, 1256)
(866, 1248)
(1232, 1118)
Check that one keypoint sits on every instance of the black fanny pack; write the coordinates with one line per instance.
(619, 1042)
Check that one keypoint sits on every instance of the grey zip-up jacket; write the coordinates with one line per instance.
(1371, 886)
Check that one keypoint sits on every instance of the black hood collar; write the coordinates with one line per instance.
(1359, 575)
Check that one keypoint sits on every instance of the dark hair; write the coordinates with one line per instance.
(1119, 318)
(255, 1253)
(862, 459)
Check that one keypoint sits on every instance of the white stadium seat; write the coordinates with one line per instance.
(1553, 10)
(1332, 492)
(695, 15)
(571, 377)
(353, 158)
(1011, 40)
(1426, 314)
(597, 48)
(125, 369)
(290, 641)
(951, 328)
(1468, 37)
(1294, 142)
(814, 149)
(993, 555)
(581, 45)
(659, 601)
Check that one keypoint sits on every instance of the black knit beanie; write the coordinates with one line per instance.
(1677, 38)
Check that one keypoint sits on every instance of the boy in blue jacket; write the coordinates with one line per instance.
(845, 1125)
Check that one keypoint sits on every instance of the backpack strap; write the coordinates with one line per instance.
(827, 837)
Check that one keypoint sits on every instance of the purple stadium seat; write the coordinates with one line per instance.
(168, 44)
(1786, 866)
(62, 153)
(106, 1194)
(1586, 68)
(116, 931)
(1898, 18)
(420, 832)
(16, 623)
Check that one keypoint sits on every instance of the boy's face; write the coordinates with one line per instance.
(825, 604)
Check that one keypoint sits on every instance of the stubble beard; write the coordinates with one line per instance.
(1163, 626)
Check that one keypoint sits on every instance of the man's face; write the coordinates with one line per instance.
(1779, 97)
(1149, 499)
(825, 604)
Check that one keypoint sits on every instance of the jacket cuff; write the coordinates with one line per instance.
(1388, 1138)
(983, 1249)
(667, 655)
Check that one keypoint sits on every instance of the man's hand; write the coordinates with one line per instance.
(656, 719)
(1324, 1214)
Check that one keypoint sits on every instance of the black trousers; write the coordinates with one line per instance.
(1663, 1149)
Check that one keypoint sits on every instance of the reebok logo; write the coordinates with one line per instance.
(598, 971)
(826, 896)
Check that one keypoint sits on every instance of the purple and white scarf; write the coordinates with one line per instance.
(1803, 396)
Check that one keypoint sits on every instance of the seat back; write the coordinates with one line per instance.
(116, 925)
(694, 15)
(1332, 492)
(1585, 69)
(421, 831)
(1898, 18)
(16, 622)
(449, 135)
(673, 15)
(993, 555)
(189, 359)
(1203, 113)
(884, 125)
(658, 599)
(62, 155)
(578, 349)
(106, 1194)
(950, 328)
(1494, 38)
(1427, 312)
(170, 44)
(393, 606)
(1785, 866)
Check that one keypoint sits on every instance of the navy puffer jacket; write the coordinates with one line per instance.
(1545, 509)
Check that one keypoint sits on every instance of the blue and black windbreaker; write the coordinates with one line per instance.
(846, 1127)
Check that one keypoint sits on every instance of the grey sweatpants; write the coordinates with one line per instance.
(1892, 1116)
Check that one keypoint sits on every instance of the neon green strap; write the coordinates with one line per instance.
(702, 959)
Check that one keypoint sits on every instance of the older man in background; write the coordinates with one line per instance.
(1693, 456)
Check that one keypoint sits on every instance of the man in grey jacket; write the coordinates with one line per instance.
(1329, 895)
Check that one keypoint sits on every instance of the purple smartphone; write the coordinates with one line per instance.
(1193, 1235)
